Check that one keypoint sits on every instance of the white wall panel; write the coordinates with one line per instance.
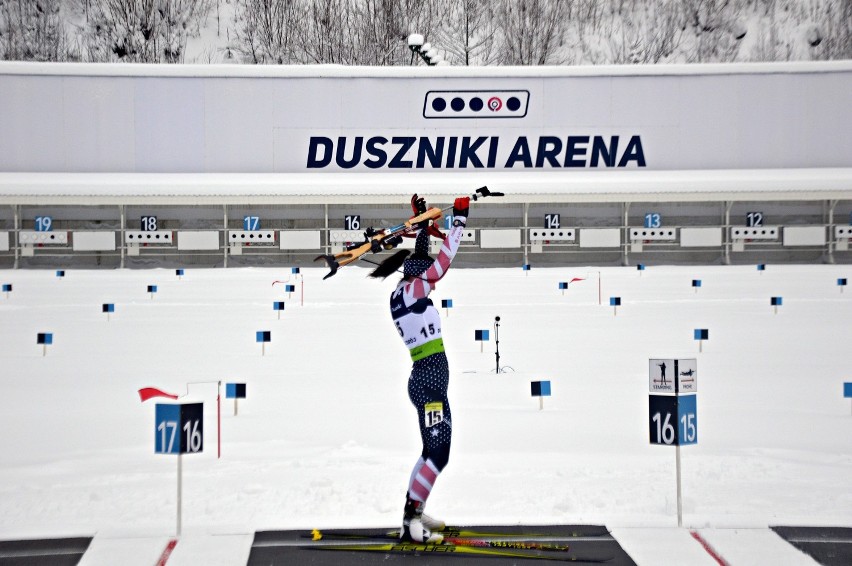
(600, 237)
(198, 240)
(700, 237)
(91, 241)
(804, 235)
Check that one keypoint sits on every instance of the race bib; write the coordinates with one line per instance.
(434, 413)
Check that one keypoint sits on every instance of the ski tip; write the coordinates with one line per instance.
(331, 261)
(316, 534)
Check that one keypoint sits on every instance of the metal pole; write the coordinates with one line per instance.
(179, 490)
(218, 419)
(679, 493)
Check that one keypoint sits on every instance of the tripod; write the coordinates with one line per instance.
(497, 346)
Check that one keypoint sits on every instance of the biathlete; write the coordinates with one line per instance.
(419, 325)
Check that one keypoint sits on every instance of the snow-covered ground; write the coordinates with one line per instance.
(326, 437)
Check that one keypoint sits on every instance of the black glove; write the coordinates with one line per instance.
(418, 205)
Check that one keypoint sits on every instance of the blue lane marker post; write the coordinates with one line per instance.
(60, 273)
(540, 389)
(776, 302)
(761, 267)
(481, 336)
(152, 289)
(563, 285)
(701, 334)
(278, 306)
(7, 288)
(696, 284)
(235, 391)
(847, 389)
(179, 273)
(108, 308)
(640, 268)
(447, 304)
(45, 339)
(841, 282)
(526, 267)
(263, 336)
(615, 302)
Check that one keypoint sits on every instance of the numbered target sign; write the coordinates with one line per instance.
(43, 224)
(251, 223)
(653, 220)
(149, 223)
(179, 429)
(754, 219)
(552, 221)
(352, 222)
(673, 420)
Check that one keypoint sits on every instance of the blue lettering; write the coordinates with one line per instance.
(492, 152)
(468, 152)
(433, 153)
(521, 152)
(548, 153)
(317, 142)
(397, 161)
(451, 152)
(634, 152)
(340, 156)
(600, 150)
(573, 151)
(377, 152)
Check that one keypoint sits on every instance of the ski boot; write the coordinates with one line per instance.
(413, 527)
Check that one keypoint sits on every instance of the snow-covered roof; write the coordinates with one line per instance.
(309, 188)
(341, 71)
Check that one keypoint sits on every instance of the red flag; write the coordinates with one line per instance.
(148, 392)
(576, 279)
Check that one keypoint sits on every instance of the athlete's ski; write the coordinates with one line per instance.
(458, 532)
(449, 540)
(420, 548)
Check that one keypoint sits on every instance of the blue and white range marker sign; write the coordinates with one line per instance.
(7, 288)
(278, 305)
(841, 282)
(615, 301)
(696, 283)
(263, 336)
(481, 335)
(179, 272)
(673, 419)
(540, 388)
(179, 428)
(446, 303)
(60, 273)
(295, 270)
(152, 289)
(108, 307)
(235, 390)
(45, 338)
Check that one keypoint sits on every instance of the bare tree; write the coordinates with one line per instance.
(532, 31)
(144, 31)
(32, 30)
(266, 30)
(326, 32)
(649, 33)
(468, 35)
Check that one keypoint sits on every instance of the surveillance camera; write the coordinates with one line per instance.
(415, 41)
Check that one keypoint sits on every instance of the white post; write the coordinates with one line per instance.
(235, 406)
(179, 490)
(679, 493)
(541, 403)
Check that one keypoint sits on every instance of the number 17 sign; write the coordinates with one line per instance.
(179, 428)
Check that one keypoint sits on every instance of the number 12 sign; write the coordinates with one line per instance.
(179, 428)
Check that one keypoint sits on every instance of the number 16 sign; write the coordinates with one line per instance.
(179, 429)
